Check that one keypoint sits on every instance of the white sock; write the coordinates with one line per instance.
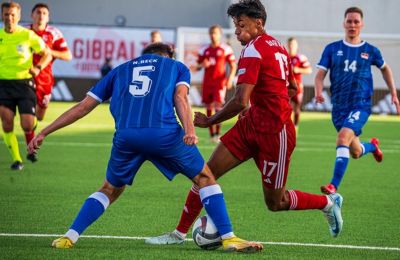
(72, 235)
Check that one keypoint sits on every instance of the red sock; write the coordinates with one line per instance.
(211, 128)
(29, 136)
(300, 200)
(296, 119)
(191, 210)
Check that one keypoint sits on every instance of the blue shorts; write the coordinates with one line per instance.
(354, 120)
(164, 147)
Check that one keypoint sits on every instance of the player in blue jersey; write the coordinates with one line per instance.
(144, 93)
(349, 62)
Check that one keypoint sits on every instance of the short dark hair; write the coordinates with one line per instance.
(251, 8)
(291, 39)
(354, 9)
(40, 5)
(10, 5)
(159, 48)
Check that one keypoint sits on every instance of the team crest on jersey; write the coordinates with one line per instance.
(364, 55)
(219, 53)
(20, 48)
(339, 53)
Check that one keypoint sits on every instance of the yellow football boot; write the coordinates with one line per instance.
(63, 243)
(235, 244)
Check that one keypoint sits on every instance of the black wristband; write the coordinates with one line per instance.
(38, 66)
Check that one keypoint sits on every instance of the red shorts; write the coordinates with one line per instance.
(43, 94)
(271, 152)
(211, 95)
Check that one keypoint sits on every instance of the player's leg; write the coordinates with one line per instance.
(296, 102)
(347, 143)
(220, 162)
(359, 149)
(219, 99)
(91, 210)
(121, 170)
(10, 139)
(344, 139)
(213, 200)
(27, 125)
(26, 108)
(273, 162)
(43, 96)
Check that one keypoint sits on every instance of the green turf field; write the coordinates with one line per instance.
(44, 198)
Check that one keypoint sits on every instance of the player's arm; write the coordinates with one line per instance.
(388, 77)
(62, 55)
(184, 112)
(292, 88)
(232, 72)
(319, 85)
(45, 59)
(234, 106)
(70, 116)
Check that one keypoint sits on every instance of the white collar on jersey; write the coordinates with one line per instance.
(354, 45)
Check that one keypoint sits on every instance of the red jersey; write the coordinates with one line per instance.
(218, 57)
(265, 63)
(55, 41)
(299, 61)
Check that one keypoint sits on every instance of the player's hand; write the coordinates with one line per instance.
(35, 143)
(201, 120)
(190, 139)
(292, 92)
(395, 101)
(229, 84)
(206, 63)
(319, 99)
(34, 71)
(243, 113)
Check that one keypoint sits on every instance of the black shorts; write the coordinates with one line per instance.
(18, 93)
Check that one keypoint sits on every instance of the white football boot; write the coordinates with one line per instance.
(334, 214)
(172, 238)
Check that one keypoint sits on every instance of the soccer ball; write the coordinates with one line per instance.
(205, 234)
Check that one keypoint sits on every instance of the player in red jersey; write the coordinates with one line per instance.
(214, 58)
(265, 133)
(59, 50)
(301, 66)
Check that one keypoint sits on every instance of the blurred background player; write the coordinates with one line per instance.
(265, 133)
(17, 89)
(59, 50)
(144, 133)
(349, 62)
(155, 36)
(106, 67)
(215, 58)
(300, 66)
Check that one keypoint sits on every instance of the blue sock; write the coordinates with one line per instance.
(367, 148)
(91, 210)
(342, 160)
(214, 203)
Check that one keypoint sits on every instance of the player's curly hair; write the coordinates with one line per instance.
(251, 8)
(159, 48)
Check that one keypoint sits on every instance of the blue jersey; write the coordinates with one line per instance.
(350, 73)
(142, 91)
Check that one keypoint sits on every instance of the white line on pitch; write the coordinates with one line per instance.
(267, 243)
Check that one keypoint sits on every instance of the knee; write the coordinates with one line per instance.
(111, 192)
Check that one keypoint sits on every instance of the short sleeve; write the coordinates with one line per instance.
(377, 58)
(103, 90)
(249, 66)
(183, 75)
(325, 62)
